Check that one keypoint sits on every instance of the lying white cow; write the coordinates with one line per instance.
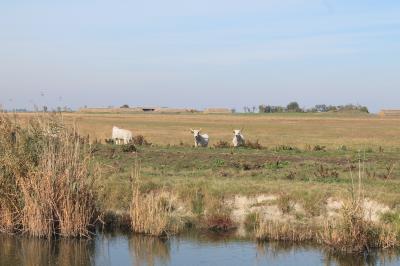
(200, 140)
(238, 139)
(121, 136)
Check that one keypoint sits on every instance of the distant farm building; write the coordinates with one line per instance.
(126, 110)
(390, 113)
(175, 110)
(110, 110)
(217, 111)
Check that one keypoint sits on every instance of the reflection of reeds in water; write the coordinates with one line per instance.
(7, 250)
(35, 251)
(277, 249)
(147, 250)
(372, 258)
(75, 252)
(46, 188)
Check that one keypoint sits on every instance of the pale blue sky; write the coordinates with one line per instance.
(199, 53)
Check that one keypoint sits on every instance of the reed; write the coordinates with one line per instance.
(9, 165)
(352, 232)
(284, 231)
(46, 186)
(155, 212)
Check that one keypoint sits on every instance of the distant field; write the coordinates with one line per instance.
(331, 130)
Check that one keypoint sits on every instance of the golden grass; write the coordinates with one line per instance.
(300, 130)
(153, 213)
(352, 232)
(45, 185)
(279, 231)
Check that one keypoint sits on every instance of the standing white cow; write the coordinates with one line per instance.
(121, 136)
(238, 138)
(200, 140)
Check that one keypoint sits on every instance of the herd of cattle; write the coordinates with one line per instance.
(123, 136)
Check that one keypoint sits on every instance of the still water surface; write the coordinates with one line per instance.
(190, 249)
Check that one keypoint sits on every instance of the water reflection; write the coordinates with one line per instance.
(275, 250)
(388, 257)
(149, 250)
(190, 249)
(34, 251)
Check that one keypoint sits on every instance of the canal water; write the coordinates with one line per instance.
(189, 249)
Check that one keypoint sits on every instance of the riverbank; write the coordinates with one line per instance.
(343, 197)
(279, 194)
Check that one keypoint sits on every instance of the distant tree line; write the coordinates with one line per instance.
(294, 107)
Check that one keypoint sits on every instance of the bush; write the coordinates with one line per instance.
(253, 145)
(220, 223)
(319, 148)
(129, 148)
(325, 172)
(286, 148)
(140, 141)
(221, 144)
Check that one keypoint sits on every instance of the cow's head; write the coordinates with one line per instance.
(237, 132)
(195, 132)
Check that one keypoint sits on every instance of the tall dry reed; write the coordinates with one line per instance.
(279, 231)
(155, 212)
(352, 231)
(46, 187)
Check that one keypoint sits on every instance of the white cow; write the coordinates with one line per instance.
(200, 140)
(238, 138)
(121, 136)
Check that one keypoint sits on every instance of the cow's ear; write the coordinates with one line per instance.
(191, 130)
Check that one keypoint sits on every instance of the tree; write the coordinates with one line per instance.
(293, 107)
(364, 109)
(321, 108)
(125, 106)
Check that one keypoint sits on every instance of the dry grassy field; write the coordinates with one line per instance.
(331, 130)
